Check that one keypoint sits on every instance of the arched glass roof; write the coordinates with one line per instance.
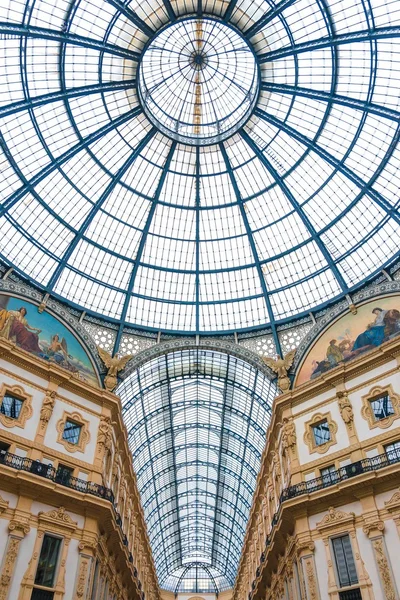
(196, 422)
(297, 207)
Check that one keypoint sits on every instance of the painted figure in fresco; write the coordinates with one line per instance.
(333, 354)
(375, 333)
(15, 327)
(385, 324)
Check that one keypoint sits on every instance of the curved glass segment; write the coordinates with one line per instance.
(297, 208)
(196, 423)
(198, 81)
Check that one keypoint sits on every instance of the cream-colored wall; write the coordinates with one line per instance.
(392, 541)
(20, 372)
(71, 568)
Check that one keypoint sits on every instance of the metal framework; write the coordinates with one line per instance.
(198, 218)
(296, 210)
(196, 423)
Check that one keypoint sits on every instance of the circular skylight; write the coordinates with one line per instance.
(297, 208)
(198, 81)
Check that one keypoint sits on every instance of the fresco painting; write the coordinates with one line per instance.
(43, 335)
(375, 322)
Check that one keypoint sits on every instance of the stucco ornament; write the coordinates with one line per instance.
(114, 365)
(104, 437)
(345, 407)
(281, 366)
(289, 437)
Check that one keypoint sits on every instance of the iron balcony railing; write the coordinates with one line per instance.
(61, 477)
(365, 465)
(357, 468)
(57, 475)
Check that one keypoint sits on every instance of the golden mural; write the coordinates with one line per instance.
(43, 335)
(375, 322)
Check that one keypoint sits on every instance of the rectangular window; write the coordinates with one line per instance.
(382, 407)
(321, 433)
(47, 565)
(329, 475)
(345, 565)
(11, 406)
(64, 474)
(393, 451)
(72, 432)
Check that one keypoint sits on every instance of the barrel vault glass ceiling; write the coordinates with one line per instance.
(199, 166)
(196, 421)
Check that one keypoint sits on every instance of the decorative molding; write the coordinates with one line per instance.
(368, 413)
(84, 435)
(309, 434)
(57, 519)
(19, 525)
(394, 503)
(203, 344)
(3, 504)
(384, 569)
(26, 409)
(336, 519)
(8, 566)
(373, 526)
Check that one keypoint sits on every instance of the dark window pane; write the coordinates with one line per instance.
(321, 433)
(64, 474)
(72, 432)
(350, 595)
(42, 595)
(382, 407)
(11, 406)
(47, 565)
(345, 565)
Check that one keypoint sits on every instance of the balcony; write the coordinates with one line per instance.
(49, 472)
(357, 468)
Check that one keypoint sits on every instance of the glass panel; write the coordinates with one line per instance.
(382, 407)
(393, 451)
(345, 565)
(64, 474)
(329, 475)
(46, 570)
(321, 433)
(72, 432)
(196, 421)
(11, 406)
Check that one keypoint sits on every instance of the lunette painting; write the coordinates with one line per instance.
(351, 335)
(43, 335)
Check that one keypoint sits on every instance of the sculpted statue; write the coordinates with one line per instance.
(104, 437)
(114, 364)
(281, 366)
(345, 407)
(288, 434)
(47, 407)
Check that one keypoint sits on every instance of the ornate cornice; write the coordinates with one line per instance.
(335, 519)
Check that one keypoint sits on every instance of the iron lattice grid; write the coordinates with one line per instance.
(296, 209)
(196, 423)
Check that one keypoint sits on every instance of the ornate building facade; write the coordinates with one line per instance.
(325, 521)
(71, 521)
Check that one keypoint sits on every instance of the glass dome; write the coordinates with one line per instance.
(105, 205)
